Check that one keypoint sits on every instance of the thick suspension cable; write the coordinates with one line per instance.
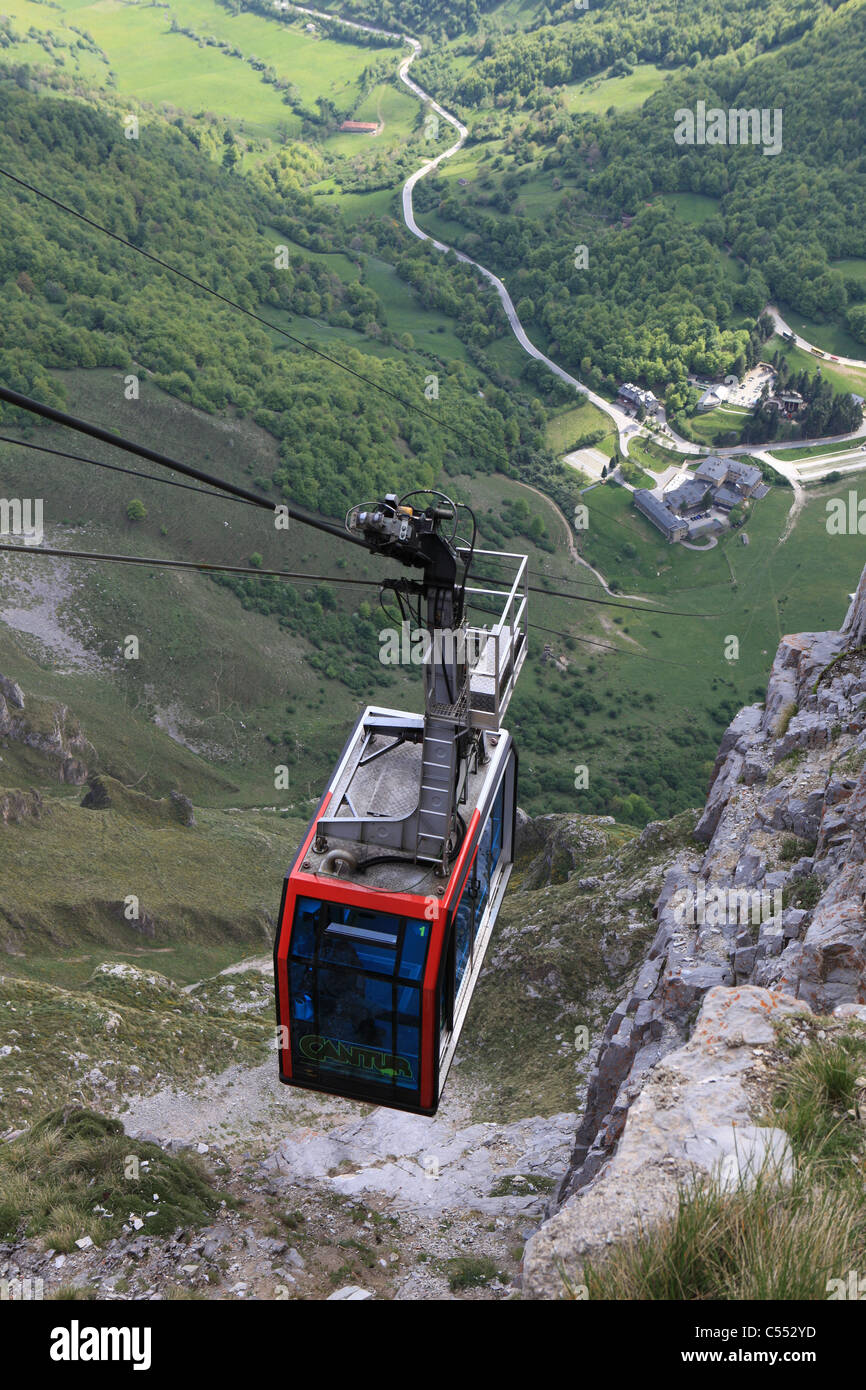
(118, 468)
(59, 417)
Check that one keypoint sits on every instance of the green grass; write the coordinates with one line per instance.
(152, 64)
(709, 428)
(76, 1173)
(765, 1245)
(570, 425)
(691, 207)
(815, 450)
(653, 455)
(596, 94)
(470, 1272)
(215, 883)
(431, 330)
(852, 266)
(832, 337)
(636, 476)
(840, 378)
(817, 1103)
(773, 1242)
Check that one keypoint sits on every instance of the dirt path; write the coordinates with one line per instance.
(788, 471)
(575, 553)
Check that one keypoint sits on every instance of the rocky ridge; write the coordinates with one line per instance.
(771, 915)
(47, 728)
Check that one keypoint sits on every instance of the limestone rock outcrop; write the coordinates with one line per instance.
(694, 1116)
(47, 727)
(772, 897)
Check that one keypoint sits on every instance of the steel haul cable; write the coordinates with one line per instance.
(206, 567)
(203, 565)
(59, 417)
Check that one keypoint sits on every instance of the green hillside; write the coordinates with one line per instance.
(235, 678)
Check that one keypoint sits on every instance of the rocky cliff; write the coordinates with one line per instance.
(41, 732)
(761, 915)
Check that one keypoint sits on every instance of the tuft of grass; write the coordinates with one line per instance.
(771, 1241)
(794, 848)
(818, 1102)
(519, 1184)
(470, 1272)
(76, 1173)
(805, 893)
(785, 717)
(365, 1255)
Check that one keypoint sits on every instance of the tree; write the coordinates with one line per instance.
(136, 510)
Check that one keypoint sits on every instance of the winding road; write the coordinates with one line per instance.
(627, 428)
(783, 327)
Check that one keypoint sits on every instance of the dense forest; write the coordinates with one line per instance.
(589, 39)
(73, 298)
(429, 18)
(659, 295)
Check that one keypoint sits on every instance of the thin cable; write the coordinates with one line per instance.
(205, 567)
(199, 284)
(117, 468)
(610, 603)
(629, 607)
(591, 641)
(59, 417)
(243, 494)
(202, 565)
(317, 352)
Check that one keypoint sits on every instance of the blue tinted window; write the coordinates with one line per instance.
(354, 1013)
(301, 988)
(463, 932)
(470, 912)
(496, 823)
(481, 874)
(352, 935)
(304, 929)
(415, 941)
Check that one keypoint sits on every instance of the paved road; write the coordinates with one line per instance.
(627, 430)
(784, 327)
(623, 421)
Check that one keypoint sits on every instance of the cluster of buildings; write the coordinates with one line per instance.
(700, 504)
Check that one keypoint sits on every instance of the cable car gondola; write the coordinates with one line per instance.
(389, 906)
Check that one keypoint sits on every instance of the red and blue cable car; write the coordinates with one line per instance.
(389, 906)
(375, 970)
